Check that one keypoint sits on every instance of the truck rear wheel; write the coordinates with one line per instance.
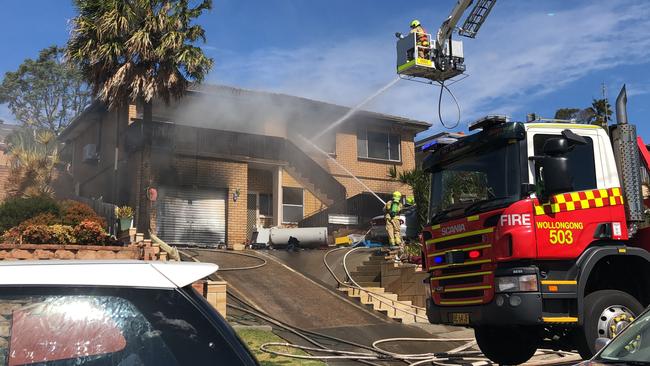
(606, 313)
(507, 346)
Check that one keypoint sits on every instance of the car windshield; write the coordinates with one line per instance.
(110, 327)
(475, 182)
(631, 346)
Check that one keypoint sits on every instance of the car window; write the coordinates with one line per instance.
(118, 327)
(581, 162)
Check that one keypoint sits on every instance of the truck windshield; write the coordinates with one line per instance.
(482, 180)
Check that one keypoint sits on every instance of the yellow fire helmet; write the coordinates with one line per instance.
(415, 23)
(410, 200)
(397, 196)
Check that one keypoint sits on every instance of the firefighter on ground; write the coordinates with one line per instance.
(422, 39)
(393, 224)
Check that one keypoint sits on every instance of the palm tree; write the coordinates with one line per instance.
(137, 50)
(601, 112)
(32, 158)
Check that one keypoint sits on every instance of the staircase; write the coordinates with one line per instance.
(311, 175)
(372, 295)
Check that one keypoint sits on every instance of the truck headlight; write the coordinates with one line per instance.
(525, 283)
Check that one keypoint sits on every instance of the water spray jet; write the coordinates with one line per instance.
(355, 109)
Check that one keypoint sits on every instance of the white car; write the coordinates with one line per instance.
(111, 313)
(378, 229)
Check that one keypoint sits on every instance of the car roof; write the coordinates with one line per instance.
(131, 273)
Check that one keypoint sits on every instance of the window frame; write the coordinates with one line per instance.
(362, 135)
(302, 206)
(594, 141)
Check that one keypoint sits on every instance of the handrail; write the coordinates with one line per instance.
(377, 296)
(171, 251)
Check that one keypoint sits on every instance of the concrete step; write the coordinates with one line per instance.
(365, 277)
(368, 284)
(401, 311)
(369, 268)
(386, 296)
(400, 316)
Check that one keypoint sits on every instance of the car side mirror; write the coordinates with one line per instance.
(601, 343)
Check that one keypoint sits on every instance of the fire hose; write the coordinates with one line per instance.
(369, 353)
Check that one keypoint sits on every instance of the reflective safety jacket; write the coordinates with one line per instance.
(392, 209)
(423, 39)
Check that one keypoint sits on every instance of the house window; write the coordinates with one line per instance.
(292, 204)
(266, 204)
(378, 145)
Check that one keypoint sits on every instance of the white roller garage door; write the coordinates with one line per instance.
(187, 216)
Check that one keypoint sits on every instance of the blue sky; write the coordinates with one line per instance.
(530, 56)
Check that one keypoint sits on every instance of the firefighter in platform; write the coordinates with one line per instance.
(391, 214)
(422, 39)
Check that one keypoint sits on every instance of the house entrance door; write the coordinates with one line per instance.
(252, 213)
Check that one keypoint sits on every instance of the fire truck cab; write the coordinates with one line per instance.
(537, 235)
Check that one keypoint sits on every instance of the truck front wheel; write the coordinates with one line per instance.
(506, 345)
(606, 313)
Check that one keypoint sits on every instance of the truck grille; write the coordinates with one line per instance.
(467, 283)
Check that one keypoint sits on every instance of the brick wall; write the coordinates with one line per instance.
(405, 282)
(218, 174)
(372, 173)
(311, 204)
(260, 181)
(99, 178)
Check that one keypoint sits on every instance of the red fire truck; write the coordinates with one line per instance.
(538, 234)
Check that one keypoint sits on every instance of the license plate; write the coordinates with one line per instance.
(460, 318)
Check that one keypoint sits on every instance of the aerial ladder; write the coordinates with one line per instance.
(442, 59)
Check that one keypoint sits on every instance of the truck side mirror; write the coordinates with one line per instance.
(556, 147)
(553, 168)
(555, 175)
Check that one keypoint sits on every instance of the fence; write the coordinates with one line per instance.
(103, 209)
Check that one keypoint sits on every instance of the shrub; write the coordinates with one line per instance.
(12, 236)
(16, 210)
(37, 234)
(90, 232)
(62, 234)
(124, 212)
(46, 218)
(74, 212)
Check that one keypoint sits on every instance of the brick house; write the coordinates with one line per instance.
(223, 161)
(5, 130)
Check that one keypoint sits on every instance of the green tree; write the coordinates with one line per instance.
(137, 50)
(420, 183)
(45, 93)
(566, 113)
(600, 112)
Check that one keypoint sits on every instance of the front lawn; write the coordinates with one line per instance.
(255, 338)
